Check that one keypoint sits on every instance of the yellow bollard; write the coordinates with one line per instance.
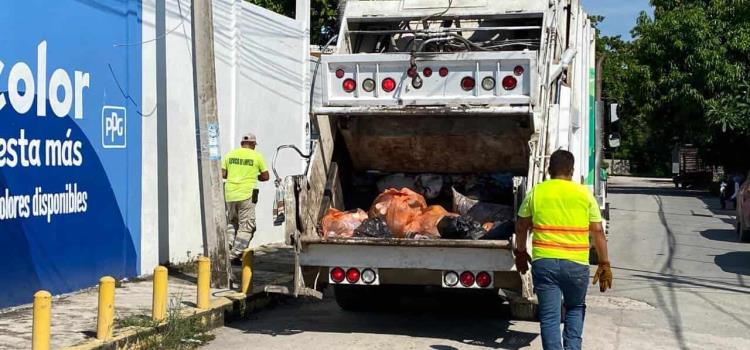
(247, 271)
(204, 282)
(41, 320)
(159, 302)
(106, 313)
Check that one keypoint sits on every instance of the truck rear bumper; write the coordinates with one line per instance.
(440, 255)
(436, 110)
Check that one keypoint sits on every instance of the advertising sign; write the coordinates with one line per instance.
(70, 144)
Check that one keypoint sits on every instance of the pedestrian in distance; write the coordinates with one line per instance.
(561, 214)
(724, 192)
(242, 168)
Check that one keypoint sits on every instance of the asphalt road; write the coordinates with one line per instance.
(680, 283)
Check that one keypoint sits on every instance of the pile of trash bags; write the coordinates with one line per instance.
(404, 214)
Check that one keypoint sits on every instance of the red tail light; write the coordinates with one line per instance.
(443, 72)
(427, 72)
(389, 84)
(467, 279)
(349, 85)
(412, 72)
(509, 83)
(339, 73)
(352, 275)
(484, 279)
(518, 70)
(337, 275)
(468, 83)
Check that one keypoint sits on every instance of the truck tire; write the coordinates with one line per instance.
(524, 311)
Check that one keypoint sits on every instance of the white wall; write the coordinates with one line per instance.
(262, 61)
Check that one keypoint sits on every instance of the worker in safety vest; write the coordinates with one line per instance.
(242, 168)
(561, 214)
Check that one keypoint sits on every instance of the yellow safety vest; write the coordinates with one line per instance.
(561, 212)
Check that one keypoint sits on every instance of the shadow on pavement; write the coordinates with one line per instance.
(734, 262)
(468, 321)
(721, 235)
(655, 191)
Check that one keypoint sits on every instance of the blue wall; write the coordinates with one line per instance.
(70, 144)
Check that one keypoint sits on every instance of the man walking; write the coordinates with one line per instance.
(242, 168)
(561, 214)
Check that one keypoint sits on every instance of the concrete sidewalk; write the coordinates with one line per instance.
(74, 315)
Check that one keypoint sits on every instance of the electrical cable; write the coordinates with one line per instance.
(112, 72)
(181, 24)
(450, 4)
(127, 95)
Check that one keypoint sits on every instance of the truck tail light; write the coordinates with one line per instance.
(484, 279)
(509, 83)
(468, 83)
(417, 82)
(467, 279)
(518, 70)
(339, 73)
(450, 279)
(488, 83)
(337, 275)
(412, 72)
(349, 85)
(443, 72)
(352, 275)
(388, 84)
(368, 276)
(427, 72)
(368, 85)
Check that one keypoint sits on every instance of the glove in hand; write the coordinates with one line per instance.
(603, 276)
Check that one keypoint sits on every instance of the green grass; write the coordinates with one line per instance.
(177, 332)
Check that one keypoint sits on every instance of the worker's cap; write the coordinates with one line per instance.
(249, 137)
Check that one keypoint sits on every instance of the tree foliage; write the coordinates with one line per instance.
(683, 79)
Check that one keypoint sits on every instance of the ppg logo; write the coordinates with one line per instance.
(114, 128)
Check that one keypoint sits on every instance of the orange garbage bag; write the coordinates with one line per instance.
(338, 223)
(399, 207)
(426, 223)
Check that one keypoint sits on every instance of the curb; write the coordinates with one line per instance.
(223, 309)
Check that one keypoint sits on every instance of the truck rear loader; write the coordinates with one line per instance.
(455, 88)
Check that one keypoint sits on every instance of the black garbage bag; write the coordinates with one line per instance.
(373, 228)
(460, 227)
(481, 211)
(501, 231)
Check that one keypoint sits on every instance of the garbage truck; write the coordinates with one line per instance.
(461, 88)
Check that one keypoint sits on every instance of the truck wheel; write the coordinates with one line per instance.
(524, 311)
(593, 257)
(355, 298)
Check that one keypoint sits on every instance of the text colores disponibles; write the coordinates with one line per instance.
(71, 201)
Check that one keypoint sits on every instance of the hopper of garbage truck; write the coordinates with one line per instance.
(438, 143)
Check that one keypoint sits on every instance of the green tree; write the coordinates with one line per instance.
(323, 14)
(683, 79)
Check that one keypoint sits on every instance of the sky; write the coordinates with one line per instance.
(620, 15)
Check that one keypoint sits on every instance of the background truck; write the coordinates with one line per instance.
(454, 88)
(688, 168)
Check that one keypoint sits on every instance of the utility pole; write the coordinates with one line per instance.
(209, 158)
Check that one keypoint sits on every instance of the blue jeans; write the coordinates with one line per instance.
(556, 279)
